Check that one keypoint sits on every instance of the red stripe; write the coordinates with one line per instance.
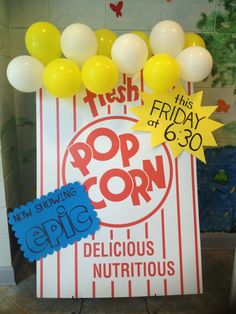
(74, 113)
(112, 289)
(195, 225)
(125, 109)
(76, 243)
(146, 230)
(94, 289)
(41, 277)
(124, 78)
(111, 234)
(76, 269)
(58, 275)
(165, 287)
(93, 236)
(142, 85)
(148, 288)
(108, 109)
(41, 175)
(58, 143)
(129, 288)
(58, 186)
(41, 139)
(189, 88)
(195, 215)
(179, 227)
(128, 234)
(163, 234)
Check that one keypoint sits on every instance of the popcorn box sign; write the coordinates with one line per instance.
(148, 242)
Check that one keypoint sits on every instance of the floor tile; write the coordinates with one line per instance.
(217, 268)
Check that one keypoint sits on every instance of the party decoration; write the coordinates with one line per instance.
(105, 38)
(42, 41)
(145, 37)
(222, 106)
(192, 39)
(78, 43)
(25, 74)
(54, 221)
(167, 37)
(117, 8)
(179, 119)
(161, 72)
(195, 64)
(141, 195)
(129, 52)
(62, 78)
(99, 74)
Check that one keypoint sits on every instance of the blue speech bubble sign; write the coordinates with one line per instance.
(54, 221)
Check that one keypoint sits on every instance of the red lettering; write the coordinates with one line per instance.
(121, 90)
(161, 272)
(128, 185)
(171, 268)
(131, 249)
(103, 253)
(88, 183)
(127, 152)
(96, 249)
(132, 90)
(155, 175)
(114, 143)
(150, 248)
(97, 270)
(89, 98)
(116, 268)
(118, 95)
(141, 188)
(151, 269)
(87, 250)
(107, 270)
(117, 249)
(125, 270)
(79, 161)
(109, 95)
(138, 264)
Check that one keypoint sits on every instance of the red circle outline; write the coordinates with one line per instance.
(136, 222)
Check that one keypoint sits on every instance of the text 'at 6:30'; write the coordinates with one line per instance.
(188, 138)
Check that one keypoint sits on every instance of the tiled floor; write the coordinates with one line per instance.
(217, 270)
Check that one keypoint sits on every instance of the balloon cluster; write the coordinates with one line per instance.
(167, 55)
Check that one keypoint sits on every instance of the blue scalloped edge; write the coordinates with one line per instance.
(86, 202)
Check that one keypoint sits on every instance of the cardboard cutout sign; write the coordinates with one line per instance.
(148, 242)
(179, 119)
(54, 221)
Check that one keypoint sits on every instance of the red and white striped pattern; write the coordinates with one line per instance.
(174, 228)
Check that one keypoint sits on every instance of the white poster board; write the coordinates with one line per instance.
(148, 243)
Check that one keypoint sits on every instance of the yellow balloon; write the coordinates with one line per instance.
(192, 39)
(105, 38)
(145, 37)
(42, 41)
(99, 74)
(161, 72)
(62, 78)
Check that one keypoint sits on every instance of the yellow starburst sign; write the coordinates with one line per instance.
(179, 119)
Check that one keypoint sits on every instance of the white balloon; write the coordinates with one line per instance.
(78, 43)
(129, 52)
(25, 73)
(167, 37)
(195, 63)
